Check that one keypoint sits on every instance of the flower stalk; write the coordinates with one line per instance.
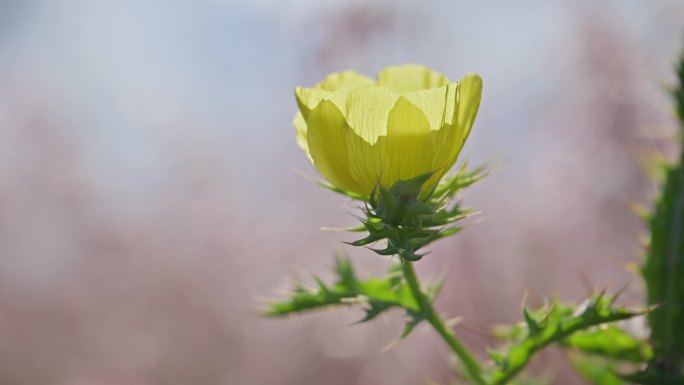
(470, 364)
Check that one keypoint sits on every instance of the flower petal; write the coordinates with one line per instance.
(308, 99)
(450, 139)
(327, 137)
(346, 78)
(433, 103)
(468, 103)
(447, 145)
(300, 132)
(366, 109)
(410, 77)
(407, 149)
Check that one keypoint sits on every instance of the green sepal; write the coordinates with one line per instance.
(409, 221)
(333, 188)
(464, 177)
(386, 251)
(410, 255)
(410, 188)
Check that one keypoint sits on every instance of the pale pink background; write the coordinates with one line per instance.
(148, 196)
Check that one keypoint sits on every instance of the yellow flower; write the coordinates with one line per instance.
(359, 132)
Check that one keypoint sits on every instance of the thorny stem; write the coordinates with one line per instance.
(471, 365)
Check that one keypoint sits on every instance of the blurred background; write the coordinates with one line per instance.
(148, 194)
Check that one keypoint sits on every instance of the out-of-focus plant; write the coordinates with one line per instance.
(663, 269)
(390, 143)
(612, 356)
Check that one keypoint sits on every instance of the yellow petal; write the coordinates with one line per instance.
(407, 149)
(447, 145)
(366, 109)
(410, 77)
(447, 137)
(433, 103)
(308, 99)
(346, 78)
(469, 95)
(450, 139)
(300, 131)
(327, 137)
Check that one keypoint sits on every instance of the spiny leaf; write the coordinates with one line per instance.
(414, 320)
(375, 294)
(532, 324)
(611, 342)
(597, 372)
(551, 325)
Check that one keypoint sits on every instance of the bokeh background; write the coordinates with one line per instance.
(148, 194)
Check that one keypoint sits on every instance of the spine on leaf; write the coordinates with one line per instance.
(663, 270)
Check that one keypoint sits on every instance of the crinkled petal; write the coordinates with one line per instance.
(308, 99)
(410, 77)
(328, 135)
(347, 78)
(433, 103)
(366, 109)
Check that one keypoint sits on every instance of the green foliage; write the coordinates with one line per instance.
(663, 270)
(611, 342)
(554, 323)
(373, 295)
(596, 371)
(655, 376)
(408, 221)
(603, 353)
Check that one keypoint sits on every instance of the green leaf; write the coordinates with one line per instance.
(597, 372)
(553, 324)
(654, 376)
(374, 295)
(532, 324)
(611, 342)
(510, 332)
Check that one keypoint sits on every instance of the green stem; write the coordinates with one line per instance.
(471, 365)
